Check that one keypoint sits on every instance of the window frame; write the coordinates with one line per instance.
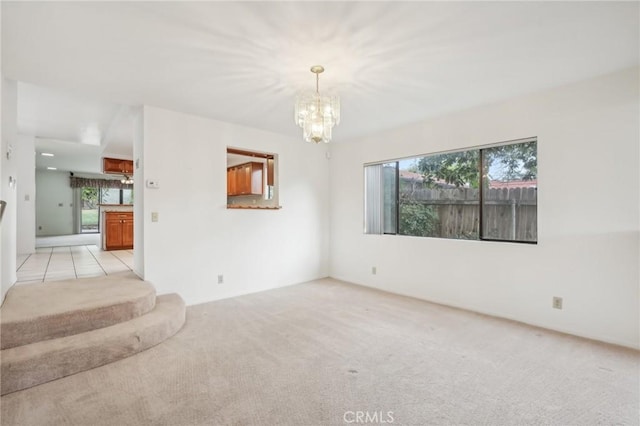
(120, 196)
(481, 191)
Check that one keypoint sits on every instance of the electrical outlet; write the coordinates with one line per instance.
(220, 279)
(154, 216)
(374, 270)
(557, 302)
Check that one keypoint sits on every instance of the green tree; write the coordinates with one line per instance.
(507, 162)
(512, 162)
(455, 168)
(89, 197)
(418, 219)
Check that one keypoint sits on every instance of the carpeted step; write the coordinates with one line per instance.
(29, 365)
(35, 312)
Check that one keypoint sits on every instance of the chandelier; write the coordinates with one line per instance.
(316, 113)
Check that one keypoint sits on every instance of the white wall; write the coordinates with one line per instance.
(9, 193)
(54, 203)
(137, 117)
(26, 198)
(198, 238)
(3, 290)
(588, 214)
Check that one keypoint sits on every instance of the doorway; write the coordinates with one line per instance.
(89, 220)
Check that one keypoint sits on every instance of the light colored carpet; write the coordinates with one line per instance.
(35, 312)
(41, 362)
(319, 352)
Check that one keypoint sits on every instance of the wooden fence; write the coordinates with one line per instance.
(509, 213)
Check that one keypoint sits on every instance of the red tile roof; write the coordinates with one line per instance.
(533, 183)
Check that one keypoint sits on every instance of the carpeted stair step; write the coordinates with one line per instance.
(40, 362)
(36, 312)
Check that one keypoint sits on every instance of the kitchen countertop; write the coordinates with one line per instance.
(116, 207)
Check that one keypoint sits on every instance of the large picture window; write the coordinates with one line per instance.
(485, 193)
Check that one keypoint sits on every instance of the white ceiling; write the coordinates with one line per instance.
(242, 62)
(77, 130)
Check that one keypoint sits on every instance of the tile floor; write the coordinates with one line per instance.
(61, 263)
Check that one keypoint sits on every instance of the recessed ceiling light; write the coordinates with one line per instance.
(91, 135)
(52, 168)
(46, 154)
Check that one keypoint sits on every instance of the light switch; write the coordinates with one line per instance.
(153, 184)
(154, 216)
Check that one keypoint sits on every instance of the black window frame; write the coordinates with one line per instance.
(481, 191)
(120, 195)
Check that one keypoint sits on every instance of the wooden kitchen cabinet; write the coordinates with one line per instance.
(116, 165)
(118, 230)
(245, 179)
(231, 181)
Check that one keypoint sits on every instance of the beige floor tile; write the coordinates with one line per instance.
(59, 278)
(91, 274)
(21, 258)
(29, 282)
(61, 275)
(81, 260)
(84, 271)
(57, 258)
(127, 262)
(30, 277)
(32, 269)
(100, 253)
(39, 257)
(83, 255)
(61, 267)
(113, 264)
(60, 271)
(26, 272)
(58, 263)
(85, 261)
(24, 276)
(112, 269)
(93, 267)
(60, 255)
